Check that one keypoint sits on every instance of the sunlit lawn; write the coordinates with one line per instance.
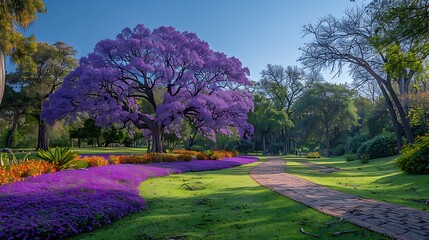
(225, 204)
(21, 152)
(379, 179)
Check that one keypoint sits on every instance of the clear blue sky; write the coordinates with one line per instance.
(257, 32)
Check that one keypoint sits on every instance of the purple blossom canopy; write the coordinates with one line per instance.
(197, 84)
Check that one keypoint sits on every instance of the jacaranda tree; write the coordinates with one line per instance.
(122, 77)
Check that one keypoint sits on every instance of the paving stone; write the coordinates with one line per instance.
(393, 220)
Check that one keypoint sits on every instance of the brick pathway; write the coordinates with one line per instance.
(390, 219)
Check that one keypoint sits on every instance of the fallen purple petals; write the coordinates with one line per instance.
(66, 203)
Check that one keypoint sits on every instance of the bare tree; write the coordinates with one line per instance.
(349, 41)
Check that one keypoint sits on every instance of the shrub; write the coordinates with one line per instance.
(95, 161)
(414, 157)
(185, 152)
(339, 150)
(202, 156)
(351, 157)
(235, 153)
(383, 145)
(60, 157)
(362, 149)
(197, 148)
(313, 155)
(17, 172)
(184, 157)
(353, 143)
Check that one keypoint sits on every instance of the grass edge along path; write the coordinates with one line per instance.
(223, 204)
(386, 218)
(379, 179)
(66, 203)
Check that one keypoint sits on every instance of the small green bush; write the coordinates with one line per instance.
(351, 157)
(362, 149)
(197, 148)
(353, 143)
(383, 145)
(414, 158)
(313, 155)
(339, 150)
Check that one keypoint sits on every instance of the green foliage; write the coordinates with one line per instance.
(78, 164)
(6, 160)
(60, 157)
(276, 148)
(351, 157)
(414, 157)
(339, 150)
(383, 145)
(353, 143)
(244, 146)
(197, 148)
(313, 155)
(327, 111)
(88, 131)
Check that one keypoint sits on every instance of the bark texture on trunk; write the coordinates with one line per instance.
(158, 138)
(12, 130)
(395, 122)
(42, 137)
(403, 116)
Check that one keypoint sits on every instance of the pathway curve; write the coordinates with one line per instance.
(390, 219)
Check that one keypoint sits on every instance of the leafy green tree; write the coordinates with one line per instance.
(284, 85)
(89, 131)
(112, 134)
(15, 105)
(16, 14)
(266, 120)
(329, 107)
(53, 63)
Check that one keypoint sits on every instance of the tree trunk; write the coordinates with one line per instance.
(2, 75)
(405, 122)
(328, 145)
(42, 138)
(13, 129)
(396, 125)
(264, 148)
(157, 137)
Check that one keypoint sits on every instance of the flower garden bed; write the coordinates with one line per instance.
(66, 203)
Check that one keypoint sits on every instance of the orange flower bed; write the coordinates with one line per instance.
(185, 152)
(149, 158)
(95, 161)
(18, 172)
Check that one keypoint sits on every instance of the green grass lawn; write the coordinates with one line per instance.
(379, 179)
(20, 153)
(111, 150)
(224, 204)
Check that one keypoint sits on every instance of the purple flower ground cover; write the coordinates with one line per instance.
(66, 203)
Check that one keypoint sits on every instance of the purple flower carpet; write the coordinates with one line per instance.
(66, 203)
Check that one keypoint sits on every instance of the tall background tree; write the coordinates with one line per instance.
(329, 111)
(53, 63)
(15, 14)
